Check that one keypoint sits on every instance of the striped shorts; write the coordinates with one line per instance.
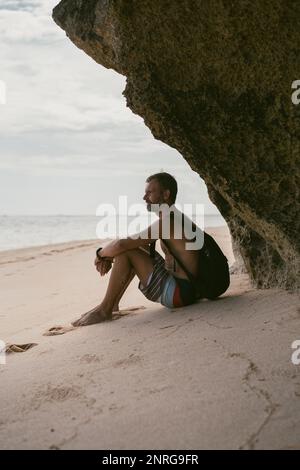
(156, 281)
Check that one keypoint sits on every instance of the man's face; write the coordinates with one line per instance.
(154, 194)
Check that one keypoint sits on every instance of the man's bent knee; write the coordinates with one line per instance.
(134, 251)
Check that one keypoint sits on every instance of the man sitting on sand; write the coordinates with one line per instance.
(161, 280)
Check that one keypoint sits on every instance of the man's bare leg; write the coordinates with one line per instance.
(131, 276)
(136, 260)
(116, 305)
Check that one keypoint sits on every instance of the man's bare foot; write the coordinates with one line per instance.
(97, 315)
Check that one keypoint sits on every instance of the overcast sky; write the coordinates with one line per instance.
(67, 140)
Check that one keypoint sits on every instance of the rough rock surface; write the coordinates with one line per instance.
(213, 80)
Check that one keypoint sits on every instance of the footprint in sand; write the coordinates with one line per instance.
(59, 330)
(15, 348)
(126, 311)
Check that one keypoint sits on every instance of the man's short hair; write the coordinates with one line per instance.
(166, 181)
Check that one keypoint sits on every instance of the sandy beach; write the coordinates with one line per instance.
(217, 374)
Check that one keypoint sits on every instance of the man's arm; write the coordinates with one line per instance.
(141, 239)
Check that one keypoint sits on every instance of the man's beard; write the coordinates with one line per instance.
(154, 207)
(158, 208)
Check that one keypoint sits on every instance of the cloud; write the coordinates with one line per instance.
(65, 121)
(17, 26)
(33, 6)
(57, 87)
(15, 5)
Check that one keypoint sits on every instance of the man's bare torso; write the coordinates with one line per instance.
(189, 258)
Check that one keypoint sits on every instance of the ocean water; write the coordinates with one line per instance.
(26, 231)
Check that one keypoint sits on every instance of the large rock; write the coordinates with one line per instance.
(213, 80)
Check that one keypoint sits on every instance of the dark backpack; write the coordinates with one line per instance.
(213, 278)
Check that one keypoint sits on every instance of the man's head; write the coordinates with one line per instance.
(161, 188)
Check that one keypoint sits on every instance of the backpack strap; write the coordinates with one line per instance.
(152, 249)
